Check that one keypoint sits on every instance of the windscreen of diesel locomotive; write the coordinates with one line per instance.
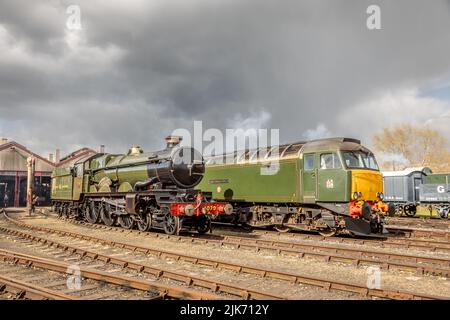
(359, 160)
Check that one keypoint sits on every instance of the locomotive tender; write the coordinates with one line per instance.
(409, 188)
(152, 190)
(332, 186)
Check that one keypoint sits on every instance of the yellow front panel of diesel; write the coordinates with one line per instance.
(368, 182)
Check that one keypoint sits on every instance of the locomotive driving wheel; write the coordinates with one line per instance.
(107, 216)
(144, 220)
(126, 221)
(203, 224)
(92, 212)
(171, 224)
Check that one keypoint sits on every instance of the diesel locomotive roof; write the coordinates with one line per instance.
(346, 144)
(292, 150)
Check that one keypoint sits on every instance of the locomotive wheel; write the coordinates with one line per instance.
(144, 223)
(58, 210)
(203, 224)
(66, 211)
(328, 232)
(126, 221)
(171, 224)
(410, 210)
(92, 212)
(106, 215)
(281, 228)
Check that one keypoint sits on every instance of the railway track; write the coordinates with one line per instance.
(391, 241)
(409, 232)
(13, 288)
(419, 220)
(224, 239)
(237, 267)
(51, 276)
(230, 290)
(325, 252)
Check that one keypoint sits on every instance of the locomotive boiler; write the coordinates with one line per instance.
(147, 189)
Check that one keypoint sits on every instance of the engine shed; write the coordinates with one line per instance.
(13, 173)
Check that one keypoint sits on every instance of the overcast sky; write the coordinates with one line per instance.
(139, 69)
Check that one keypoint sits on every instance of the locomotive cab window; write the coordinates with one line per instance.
(329, 161)
(292, 150)
(359, 160)
(79, 171)
(308, 162)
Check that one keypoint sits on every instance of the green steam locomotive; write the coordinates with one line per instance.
(152, 190)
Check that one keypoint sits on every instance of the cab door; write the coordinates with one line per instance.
(331, 178)
(309, 178)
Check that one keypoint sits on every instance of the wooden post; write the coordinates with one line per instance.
(30, 184)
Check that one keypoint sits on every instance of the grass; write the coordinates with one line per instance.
(425, 213)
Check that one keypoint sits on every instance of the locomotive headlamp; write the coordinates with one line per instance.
(228, 209)
(189, 210)
(380, 195)
(355, 195)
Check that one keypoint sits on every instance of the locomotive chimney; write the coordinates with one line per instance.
(173, 141)
(57, 155)
(102, 148)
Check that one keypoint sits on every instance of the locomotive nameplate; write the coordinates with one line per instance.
(219, 181)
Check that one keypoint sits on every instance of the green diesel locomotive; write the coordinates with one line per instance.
(150, 190)
(332, 186)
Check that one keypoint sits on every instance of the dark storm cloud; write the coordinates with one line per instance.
(140, 69)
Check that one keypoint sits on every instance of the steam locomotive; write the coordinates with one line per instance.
(152, 190)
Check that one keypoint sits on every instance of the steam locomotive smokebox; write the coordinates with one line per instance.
(182, 166)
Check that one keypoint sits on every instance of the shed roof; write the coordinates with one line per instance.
(13, 158)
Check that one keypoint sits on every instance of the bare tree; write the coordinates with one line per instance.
(407, 146)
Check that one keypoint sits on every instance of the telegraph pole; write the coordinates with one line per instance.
(30, 183)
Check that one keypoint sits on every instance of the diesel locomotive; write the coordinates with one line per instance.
(411, 187)
(153, 190)
(332, 186)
